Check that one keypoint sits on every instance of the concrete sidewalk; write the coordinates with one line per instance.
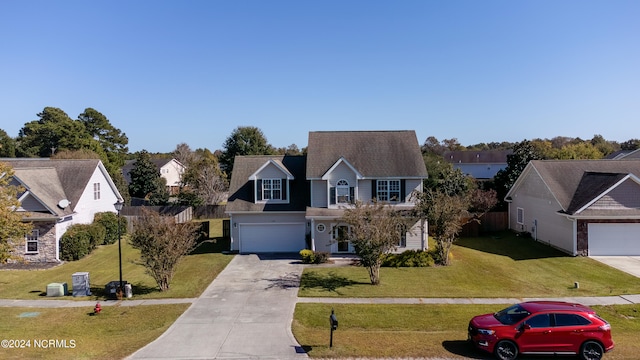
(589, 301)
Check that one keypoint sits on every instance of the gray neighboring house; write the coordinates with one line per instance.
(289, 203)
(625, 154)
(582, 207)
(58, 194)
(481, 165)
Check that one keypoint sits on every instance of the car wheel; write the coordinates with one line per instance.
(506, 350)
(591, 350)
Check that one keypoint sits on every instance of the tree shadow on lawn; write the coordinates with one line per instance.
(330, 282)
(510, 245)
(212, 246)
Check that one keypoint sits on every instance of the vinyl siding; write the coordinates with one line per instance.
(539, 205)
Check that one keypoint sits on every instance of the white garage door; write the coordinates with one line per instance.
(263, 238)
(614, 239)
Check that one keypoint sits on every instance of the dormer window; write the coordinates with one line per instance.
(343, 192)
(272, 190)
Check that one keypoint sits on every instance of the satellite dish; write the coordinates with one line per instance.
(63, 203)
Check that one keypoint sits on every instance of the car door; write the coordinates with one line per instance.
(536, 335)
(569, 331)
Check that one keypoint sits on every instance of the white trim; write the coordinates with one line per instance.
(281, 167)
(325, 176)
(518, 220)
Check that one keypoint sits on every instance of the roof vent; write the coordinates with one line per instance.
(63, 203)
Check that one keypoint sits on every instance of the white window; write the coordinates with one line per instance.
(32, 241)
(96, 191)
(388, 190)
(271, 189)
(343, 192)
(520, 216)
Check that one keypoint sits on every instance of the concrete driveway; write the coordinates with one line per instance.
(628, 264)
(245, 313)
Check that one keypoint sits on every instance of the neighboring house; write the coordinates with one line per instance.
(624, 154)
(58, 194)
(481, 165)
(582, 207)
(288, 203)
(170, 169)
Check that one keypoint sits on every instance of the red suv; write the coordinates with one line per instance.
(542, 327)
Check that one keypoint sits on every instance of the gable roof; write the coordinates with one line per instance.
(54, 180)
(43, 185)
(592, 185)
(375, 154)
(574, 183)
(477, 157)
(241, 189)
(624, 154)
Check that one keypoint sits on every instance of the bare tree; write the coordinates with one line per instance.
(162, 243)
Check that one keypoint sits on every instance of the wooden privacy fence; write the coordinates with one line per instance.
(489, 222)
(210, 212)
(181, 214)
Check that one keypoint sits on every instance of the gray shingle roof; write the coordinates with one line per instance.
(72, 175)
(375, 154)
(575, 182)
(241, 191)
(477, 157)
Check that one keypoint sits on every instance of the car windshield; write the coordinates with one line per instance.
(511, 315)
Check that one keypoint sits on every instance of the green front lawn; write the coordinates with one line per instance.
(424, 331)
(113, 334)
(206, 262)
(498, 266)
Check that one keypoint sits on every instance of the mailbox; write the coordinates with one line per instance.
(333, 320)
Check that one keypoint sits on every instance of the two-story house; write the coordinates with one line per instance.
(58, 194)
(170, 169)
(481, 165)
(288, 203)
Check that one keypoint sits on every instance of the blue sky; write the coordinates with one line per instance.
(167, 72)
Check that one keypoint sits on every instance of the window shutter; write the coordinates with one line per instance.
(352, 194)
(284, 189)
(374, 189)
(403, 190)
(259, 190)
(332, 195)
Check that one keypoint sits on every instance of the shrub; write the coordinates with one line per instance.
(321, 257)
(75, 243)
(307, 256)
(97, 235)
(80, 240)
(109, 221)
(314, 257)
(409, 258)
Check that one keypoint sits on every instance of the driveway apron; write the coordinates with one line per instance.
(628, 264)
(245, 313)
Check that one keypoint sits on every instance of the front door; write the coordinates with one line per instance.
(341, 239)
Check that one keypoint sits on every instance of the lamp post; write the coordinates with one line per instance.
(118, 207)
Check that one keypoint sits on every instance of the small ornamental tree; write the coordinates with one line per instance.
(374, 230)
(162, 243)
(12, 228)
(448, 212)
